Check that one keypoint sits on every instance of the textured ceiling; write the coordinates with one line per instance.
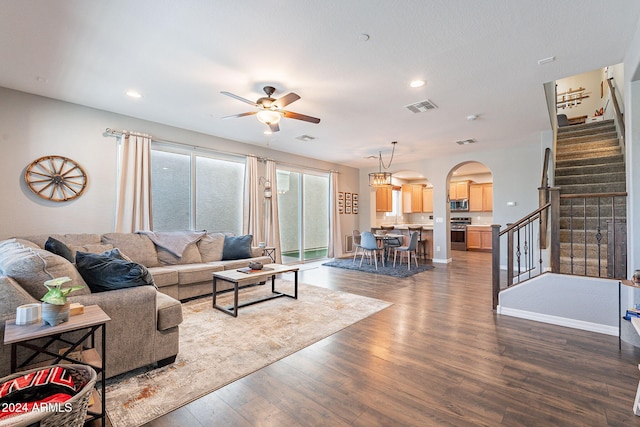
(478, 57)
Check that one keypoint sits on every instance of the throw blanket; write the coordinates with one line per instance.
(174, 241)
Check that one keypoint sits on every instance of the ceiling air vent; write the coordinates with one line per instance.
(421, 107)
(305, 138)
(466, 141)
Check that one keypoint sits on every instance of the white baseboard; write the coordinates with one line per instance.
(441, 260)
(560, 321)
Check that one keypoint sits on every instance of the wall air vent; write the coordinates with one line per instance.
(466, 141)
(421, 107)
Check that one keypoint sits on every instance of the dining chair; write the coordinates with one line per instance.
(421, 246)
(409, 249)
(390, 243)
(370, 248)
(356, 243)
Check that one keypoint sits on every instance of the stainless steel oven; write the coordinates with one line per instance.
(459, 233)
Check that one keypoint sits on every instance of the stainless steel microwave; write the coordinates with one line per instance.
(460, 205)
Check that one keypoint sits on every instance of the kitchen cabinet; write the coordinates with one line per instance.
(459, 190)
(479, 238)
(481, 197)
(412, 198)
(427, 199)
(384, 199)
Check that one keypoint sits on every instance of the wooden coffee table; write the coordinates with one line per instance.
(239, 279)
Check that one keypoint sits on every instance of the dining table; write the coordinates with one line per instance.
(382, 238)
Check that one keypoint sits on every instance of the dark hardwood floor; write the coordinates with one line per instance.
(439, 356)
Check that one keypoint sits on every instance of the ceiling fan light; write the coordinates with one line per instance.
(268, 116)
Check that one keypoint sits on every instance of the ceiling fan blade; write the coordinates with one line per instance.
(250, 113)
(274, 127)
(239, 98)
(298, 116)
(286, 100)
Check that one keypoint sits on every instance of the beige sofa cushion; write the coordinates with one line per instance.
(169, 312)
(191, 255)
(211, 246)
(32, 267)
(196, 273)
(136, 246)
(73, 239)
(164, 276)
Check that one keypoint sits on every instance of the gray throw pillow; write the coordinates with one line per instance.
(108, 271)
(237, 247)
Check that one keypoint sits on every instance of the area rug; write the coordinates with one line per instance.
(400, 270)
(217, 349)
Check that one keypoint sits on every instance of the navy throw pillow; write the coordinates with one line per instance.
(57, 247)
(104, 273)
(237, 247)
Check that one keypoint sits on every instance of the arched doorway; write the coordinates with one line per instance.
(470, 199)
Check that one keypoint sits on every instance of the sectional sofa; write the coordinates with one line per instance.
(144, 326)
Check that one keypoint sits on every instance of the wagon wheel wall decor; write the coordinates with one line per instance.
(56, 178)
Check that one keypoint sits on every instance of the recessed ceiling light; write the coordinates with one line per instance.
(133, 94)
(305, 138)
(466, 141)
(417, 83)
(472, 117)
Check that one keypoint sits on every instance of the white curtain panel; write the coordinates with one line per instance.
(335, 241)
(273, 225)
(133, 202)
(251, 216)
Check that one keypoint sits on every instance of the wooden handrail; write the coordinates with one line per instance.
(524, 219)
(616, 106)
(545, 168)
(592, 195)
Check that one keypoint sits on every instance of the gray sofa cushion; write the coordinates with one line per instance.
(169, 312)
(136, 246)
(32, 267)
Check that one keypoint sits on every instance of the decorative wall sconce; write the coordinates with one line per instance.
(267, 187)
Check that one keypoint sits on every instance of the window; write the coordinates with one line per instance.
(196, 190)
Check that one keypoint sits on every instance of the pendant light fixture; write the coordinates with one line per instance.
(380, 178)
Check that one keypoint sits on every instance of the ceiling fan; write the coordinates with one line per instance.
(270, 110)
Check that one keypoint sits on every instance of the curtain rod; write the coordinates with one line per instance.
(117, 133)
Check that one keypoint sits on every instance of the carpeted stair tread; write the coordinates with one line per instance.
(585, 153)
(590, 161)
(592, 178)
(585, 127)
(590, 169)
(616, 187)
(587, 145)
(605, 136)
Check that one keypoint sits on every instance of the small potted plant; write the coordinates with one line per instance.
(55, 307)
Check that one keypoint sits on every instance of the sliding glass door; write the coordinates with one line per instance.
(303, 209)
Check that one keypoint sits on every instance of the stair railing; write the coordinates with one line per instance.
(598, 248)
(618, 112)
(526, 257)
(543, 197)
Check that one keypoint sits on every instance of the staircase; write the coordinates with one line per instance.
(589, 160)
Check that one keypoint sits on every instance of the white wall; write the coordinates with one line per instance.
(32, 126)
(632, 147)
